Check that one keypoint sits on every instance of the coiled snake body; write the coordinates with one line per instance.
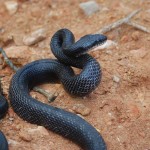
(69, 53)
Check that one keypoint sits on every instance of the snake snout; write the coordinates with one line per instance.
(98, 39)
(95, 40)
(92, 40)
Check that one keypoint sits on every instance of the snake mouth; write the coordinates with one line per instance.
(97, 45)
(92, 48)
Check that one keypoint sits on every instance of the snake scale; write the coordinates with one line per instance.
(68, 53)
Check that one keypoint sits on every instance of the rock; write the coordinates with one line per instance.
(25, 136)
(116, 79)
(81, 109)
(89, 7)
(20, 55)
(40, 130)
(35, 37)
(139, 53)
(11, 6)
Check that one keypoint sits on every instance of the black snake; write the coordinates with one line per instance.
(69, 53)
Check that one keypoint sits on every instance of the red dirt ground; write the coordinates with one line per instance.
(120, 111)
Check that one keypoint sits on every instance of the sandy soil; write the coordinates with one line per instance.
(119, 109)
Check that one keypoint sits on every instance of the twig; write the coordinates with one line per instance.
(138, 27)
(123, 21)
(9, 63)
(50, 97)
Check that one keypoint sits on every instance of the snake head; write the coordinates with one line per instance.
(92, 41)
(86, 43)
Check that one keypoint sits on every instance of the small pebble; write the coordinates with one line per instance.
(89, 7)
(40, 130)
(81, 109)
(135, 35)
(25, 136)
(116, 79)
(133, 111)
(11, 6)
(35, 37)
(139, 53)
